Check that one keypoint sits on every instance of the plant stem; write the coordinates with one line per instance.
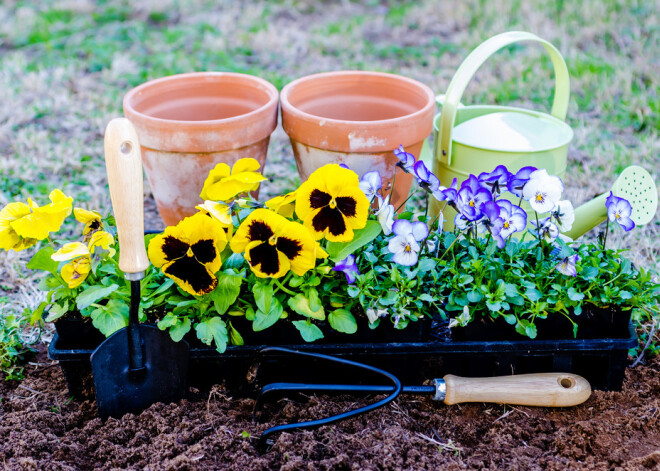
(404, 202)
(607, 228)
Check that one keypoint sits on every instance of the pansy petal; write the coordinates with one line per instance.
(70, 251)
(419, 231)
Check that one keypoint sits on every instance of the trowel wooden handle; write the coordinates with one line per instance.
(123, 163)
(539, 389)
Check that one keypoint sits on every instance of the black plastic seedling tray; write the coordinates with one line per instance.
(241, 368)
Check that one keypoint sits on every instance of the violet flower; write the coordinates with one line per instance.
(405, 245)
(619, 210)
(495, 181)
(512, 219)
(517, 182)
(491, 211)
(370, 184)
(545, 229)
(349, 267)
(450, 195)
(470, 198)
(567, 265)
(425, 177)
(564, 214)
(406, 160)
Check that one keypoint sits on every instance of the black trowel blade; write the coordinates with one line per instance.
(163, 379)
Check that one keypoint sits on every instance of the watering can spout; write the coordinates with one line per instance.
(635, 185)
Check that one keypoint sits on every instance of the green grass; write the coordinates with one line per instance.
(64, 73)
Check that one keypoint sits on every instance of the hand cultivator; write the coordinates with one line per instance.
(540, 389)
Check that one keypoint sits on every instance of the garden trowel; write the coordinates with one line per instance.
(634, 184)
(139, 364)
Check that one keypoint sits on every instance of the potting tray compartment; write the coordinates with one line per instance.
(241, 368)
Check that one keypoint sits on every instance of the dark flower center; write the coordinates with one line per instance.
(329, 217)
(194, 273)
(174, 248)
(265, 255)
(259, 230)
(204, 251)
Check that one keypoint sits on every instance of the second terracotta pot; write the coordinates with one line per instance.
(188, 123)
(357, 118)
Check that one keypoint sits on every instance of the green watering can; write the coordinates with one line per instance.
(477, 138)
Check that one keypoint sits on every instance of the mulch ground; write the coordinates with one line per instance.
(42, 428)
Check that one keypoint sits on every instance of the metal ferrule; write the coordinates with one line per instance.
(134, 276)
(440, 389)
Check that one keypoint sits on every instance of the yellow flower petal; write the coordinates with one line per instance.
(220, 211)
(284, 204)
(103, 240)
(70, 251)
(45, 219)
(223, 184)
(76, 271)
(9, 238)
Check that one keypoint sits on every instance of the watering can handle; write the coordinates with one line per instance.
(470, 66)
(123, 163)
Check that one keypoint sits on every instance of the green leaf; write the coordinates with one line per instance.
(49, 282)
(263, 295)
(338, 251)
(308, 331)
(213, 329)
(168, 321)
(42, 261)
(625, 294)
(389, 299)
(426, 298)
(264, 320)
(353, 291)
(533, 294)
(235, 260)
(300, 304)
(342, 321)
(235, 337)
(110, 318)
(182, 328)
(425, 265)
(56, 311)
(227, 291)
(314, 300)
(93, 294)
(574, 295)
(474, 296)
(38, 313)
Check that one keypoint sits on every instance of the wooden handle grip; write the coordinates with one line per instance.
(539, 389)
(123, 163)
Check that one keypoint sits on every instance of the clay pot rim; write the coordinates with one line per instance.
(293, 110)
(266, 86)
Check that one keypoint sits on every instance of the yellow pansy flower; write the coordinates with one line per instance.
(331, 204)
(9, 238)
(42, 220)
(104, 240)
(70, 251)
(189, 253)
(283, 204)
(76, 271)
(91, 220)
(273, 245)
(224, 184)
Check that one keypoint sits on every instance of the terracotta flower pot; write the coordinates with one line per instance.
(357, 118)
(190, 122)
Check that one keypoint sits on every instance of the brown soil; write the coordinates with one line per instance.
(41, 428)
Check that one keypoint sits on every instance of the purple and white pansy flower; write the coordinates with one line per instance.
(545, 229)
(542, 191)
(406, 160)
(349, 267)
(370, 184)
(496, 181)
(405, 244)
(619, 210)
(567, 265)
(512, 218)
(471, 197)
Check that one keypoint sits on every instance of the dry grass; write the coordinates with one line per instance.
(65, 66)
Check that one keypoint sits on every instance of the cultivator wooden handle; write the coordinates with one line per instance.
(538, 389)
(123, 163)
